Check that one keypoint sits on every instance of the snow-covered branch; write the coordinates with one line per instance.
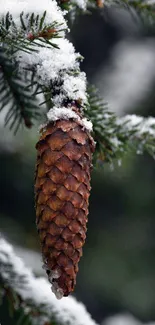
(54, 66)
(138, 127)
(36, 294)
(17, 7)
(114, 135)
(35, 36)
(138, 132)
(133, 131)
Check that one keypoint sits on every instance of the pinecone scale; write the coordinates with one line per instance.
(62, 191)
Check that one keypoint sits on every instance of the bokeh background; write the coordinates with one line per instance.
(117, 271)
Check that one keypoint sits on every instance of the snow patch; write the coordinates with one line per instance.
(75, 87)
(81, 3)
(56, 68)
(67, 311)
(66, 113)
(51, 61)
(16, 7)
(124, 319)
(55, 65)
(87, 124)
(115, 142)
(139, 124)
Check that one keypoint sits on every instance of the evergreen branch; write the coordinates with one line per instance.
(32, 27)
(51, 70)
(21, 105)
(77, 6)
(114, 136)
(143, 7)
(32, 298)
(15, 310)
(140, 132)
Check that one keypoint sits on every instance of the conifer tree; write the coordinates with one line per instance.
(78, 131)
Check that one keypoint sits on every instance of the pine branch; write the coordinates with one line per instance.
(61, 82)
(114, 136)
(32, 27)
(139, 131)
(144, 9)
(32, 298)
(12, 308)
(32, 32)
(20, 104)
(79, 6)
(29, 46)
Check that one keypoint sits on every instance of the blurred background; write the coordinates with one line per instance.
(117, 271)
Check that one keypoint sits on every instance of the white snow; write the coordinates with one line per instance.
(42, 127)
(115, 142)
(132, 120)
(53, 65)
(58, 99)
(50, 61)
(87, 124)
(140, 124)
(124, 319)
(57, 69)
(81, 3)
(128, 131)
(37, 290)
(66, 113)
(16, 7)
(75, 87)
(31, 258)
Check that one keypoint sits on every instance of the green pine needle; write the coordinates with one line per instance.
(19, 103)
(114, 136)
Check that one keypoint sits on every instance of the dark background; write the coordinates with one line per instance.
(117, 271)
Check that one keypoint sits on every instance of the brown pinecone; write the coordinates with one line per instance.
(62, 191)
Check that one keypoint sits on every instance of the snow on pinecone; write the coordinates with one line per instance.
(62, 191)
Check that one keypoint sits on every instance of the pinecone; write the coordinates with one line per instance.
(62, 191)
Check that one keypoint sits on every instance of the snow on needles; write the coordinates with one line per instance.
(50, 61)
(76, 87)
(138, 124)
(56, 67)
(16, 7)
(36, 291)
(81, 3)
